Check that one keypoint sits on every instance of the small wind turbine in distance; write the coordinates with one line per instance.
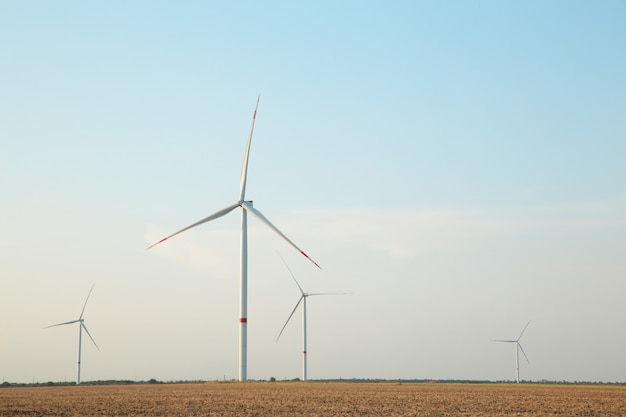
(81, 326)
(247, 208)
(518, 347)
(302, 300)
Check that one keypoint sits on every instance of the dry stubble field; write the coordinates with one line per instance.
(314, 399)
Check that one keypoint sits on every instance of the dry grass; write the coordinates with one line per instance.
(314, 399)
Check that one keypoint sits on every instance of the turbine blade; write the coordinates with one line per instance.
(213, 216)
(292, 275)
(89, 334)
(506, 341)
(62, 324)
(244, 169)
(87, 299)
(522, 349)
(245, 205)
(289, 318)
(328, 293)
(520, 335)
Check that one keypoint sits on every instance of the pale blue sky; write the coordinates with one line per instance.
(457, 166)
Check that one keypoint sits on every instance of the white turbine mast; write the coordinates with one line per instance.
(81, 326)
(518, 347)
(303, 297)
(246, 208)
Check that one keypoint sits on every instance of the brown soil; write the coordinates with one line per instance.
(314, 399)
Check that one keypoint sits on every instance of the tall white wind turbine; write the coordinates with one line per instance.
(81, 326)
(302, 300)
(247, 208)
(518, 347)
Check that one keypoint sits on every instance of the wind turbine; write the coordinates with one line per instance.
(81, 326)
(518, 347)
(247, 208)
(302, 300)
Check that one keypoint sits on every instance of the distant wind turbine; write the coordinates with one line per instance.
(302, 300)
(247, 208)
(81, 326)
(518, 347)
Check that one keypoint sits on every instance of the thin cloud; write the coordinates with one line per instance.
(398, 234)
(197, 251)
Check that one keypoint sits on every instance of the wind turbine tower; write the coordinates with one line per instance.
(303, 297)
(518, 347)
(81, 326)
(246, 208)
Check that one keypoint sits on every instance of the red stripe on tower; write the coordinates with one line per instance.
(243, 320)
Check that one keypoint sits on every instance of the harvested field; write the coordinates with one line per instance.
(314, 399)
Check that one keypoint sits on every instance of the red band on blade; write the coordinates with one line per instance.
(163, 240)
(304, 351)
(307, 256)
(243, 320)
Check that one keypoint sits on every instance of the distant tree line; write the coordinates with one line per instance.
(7, 384)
